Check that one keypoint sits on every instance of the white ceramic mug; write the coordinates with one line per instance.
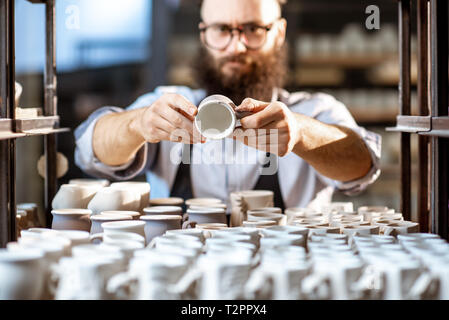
(71, 219)
(22, 274)
(207, 215)
(217, 118)
(157, 225)
(141, 188)
(100, 182)
(114, 199)
(163, 210)
(74, 196)
(120, 228)
(99, 219)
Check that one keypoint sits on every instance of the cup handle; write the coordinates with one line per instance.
(97, 236)
(189, 225)
(121, 283)
(53, 280)
(185, 217)
(310, 286)
(421, 286)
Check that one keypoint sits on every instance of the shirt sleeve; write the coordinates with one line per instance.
(86, 160)
(145, 157)
(327, 109)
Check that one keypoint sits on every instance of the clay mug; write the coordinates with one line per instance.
(143, 189)
(114, 199)
(71, 219)
(74, 196)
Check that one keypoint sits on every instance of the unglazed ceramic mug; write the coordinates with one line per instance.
(207, 215)
(22, 274)
(71, 219)
(141, 188)
(74, 196)
(163, 210)
(115, 199)
(173, 201)
(217, 118)
(242, 201)
(157, 225)
(99, 219)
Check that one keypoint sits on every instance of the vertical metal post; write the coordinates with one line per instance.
(404, 103)
(7, 147)
(439, 91)
(423, 89)
(50, 106)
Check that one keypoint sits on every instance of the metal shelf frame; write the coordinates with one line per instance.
(12, 129)
(432, 123)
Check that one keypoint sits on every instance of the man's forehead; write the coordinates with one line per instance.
(240, 11)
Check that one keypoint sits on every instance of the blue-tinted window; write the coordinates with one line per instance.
(89, 33)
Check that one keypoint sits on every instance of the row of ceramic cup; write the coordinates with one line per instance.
(258, 263)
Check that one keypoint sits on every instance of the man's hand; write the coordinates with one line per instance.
(170, 118)
(119, 136)
(272, 128)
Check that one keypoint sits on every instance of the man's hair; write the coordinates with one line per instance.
(281, 2)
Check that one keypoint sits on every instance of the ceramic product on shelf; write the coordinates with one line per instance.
(143, 189)
(74, 196)
(99, 219)
(157, 225)
(242, 201)
(207, 215)
(163, 210)
(100, 182)
(22, 274)
(115, 199)
(134, 214)
(167, 202)
(71, 219)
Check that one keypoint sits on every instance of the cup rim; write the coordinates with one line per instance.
(71, 211)
(118, 213)
(161, 201)
(29, 254)
(122, 224)
(161, 209)
(225, 133)
(160, 217)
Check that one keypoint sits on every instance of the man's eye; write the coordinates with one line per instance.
(251, 29)
(223, 28)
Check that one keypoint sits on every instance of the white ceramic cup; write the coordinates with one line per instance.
(22, 274)
(173, 201)
(157, 225)
(101, 182)
(163, 210)
(120, 228)
(207, 215)
(71, 219)
(216, 118)
(115, 199)
(281, 219)
(99, 219)
(141, 188)
(74, 196)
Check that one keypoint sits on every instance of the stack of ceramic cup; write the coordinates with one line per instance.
(242, 201)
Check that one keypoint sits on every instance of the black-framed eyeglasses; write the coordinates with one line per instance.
(219, 36)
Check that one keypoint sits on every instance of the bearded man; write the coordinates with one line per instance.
(314, 144)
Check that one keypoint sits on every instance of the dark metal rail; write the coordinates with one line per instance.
(405, 105)
(439, 108)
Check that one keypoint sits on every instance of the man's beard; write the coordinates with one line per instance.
(266, 73)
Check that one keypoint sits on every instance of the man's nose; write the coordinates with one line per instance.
(236, 46)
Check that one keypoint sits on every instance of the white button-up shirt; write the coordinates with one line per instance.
(224, 166)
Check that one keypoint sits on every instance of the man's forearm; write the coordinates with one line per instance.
(116, 139)
(334, 151)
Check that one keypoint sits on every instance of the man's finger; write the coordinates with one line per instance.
(181, 104)
(259, 120)
(252, 105)
(176, 119)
